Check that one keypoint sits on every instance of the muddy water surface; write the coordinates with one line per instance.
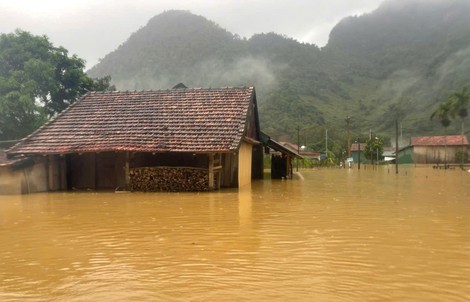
(337, 235)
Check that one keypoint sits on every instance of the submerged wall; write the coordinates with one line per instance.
(436, 154)
(24, 179)
(405, 156)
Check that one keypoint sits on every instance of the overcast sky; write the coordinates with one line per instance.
(93, 28)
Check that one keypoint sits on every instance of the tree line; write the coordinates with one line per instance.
(37, 81)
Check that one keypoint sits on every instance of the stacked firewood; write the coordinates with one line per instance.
(170, 179)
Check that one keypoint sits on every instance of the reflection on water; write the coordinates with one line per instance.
(338, 235)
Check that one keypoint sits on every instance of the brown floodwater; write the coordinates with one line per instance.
(337, 235)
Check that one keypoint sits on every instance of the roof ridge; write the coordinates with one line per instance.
(172, 89)
(214, 88)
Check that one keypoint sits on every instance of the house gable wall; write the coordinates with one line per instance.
(252, 131)
(251, 122)
(244, 164)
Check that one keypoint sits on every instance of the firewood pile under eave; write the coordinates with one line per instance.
(169, 179)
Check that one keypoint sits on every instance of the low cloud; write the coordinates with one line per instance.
(91, 29)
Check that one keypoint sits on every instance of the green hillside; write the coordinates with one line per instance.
(410, 54)
(396, 62)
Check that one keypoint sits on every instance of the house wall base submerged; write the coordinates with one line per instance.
(147, 171)
(435, 155)
(31, 178)
(244, 164)
(115, 170)
(430, 154)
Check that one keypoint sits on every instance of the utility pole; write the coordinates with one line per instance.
(463, 148)
(348, 119)
(359, 154)
(326, 142)
(298, 146)
(396, 146)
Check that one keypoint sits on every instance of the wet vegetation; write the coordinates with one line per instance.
(37, 81)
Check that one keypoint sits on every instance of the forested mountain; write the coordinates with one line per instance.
(396, 62)
(409, 55)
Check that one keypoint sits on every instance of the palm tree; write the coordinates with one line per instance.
(460, 103)
(442, 113)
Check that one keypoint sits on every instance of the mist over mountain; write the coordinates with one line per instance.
(410, 54)
(396, 62)
(177, 46)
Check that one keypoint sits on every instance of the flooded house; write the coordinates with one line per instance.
(281, 157)
(357, 152)
(434, 149)
(165, 140)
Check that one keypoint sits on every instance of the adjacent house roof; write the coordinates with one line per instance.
(268, 141)
(389, 151)
(177, 120)
(450, 140)
(297, 149)
(355, 147)
(3, 159)
(6, 162)
(290, 146)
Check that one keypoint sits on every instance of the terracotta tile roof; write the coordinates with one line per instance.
(294, 148)
(282, 148)
(355, 146)
(450, 140)
(291, 146)
(310, 153)
(177, 120)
